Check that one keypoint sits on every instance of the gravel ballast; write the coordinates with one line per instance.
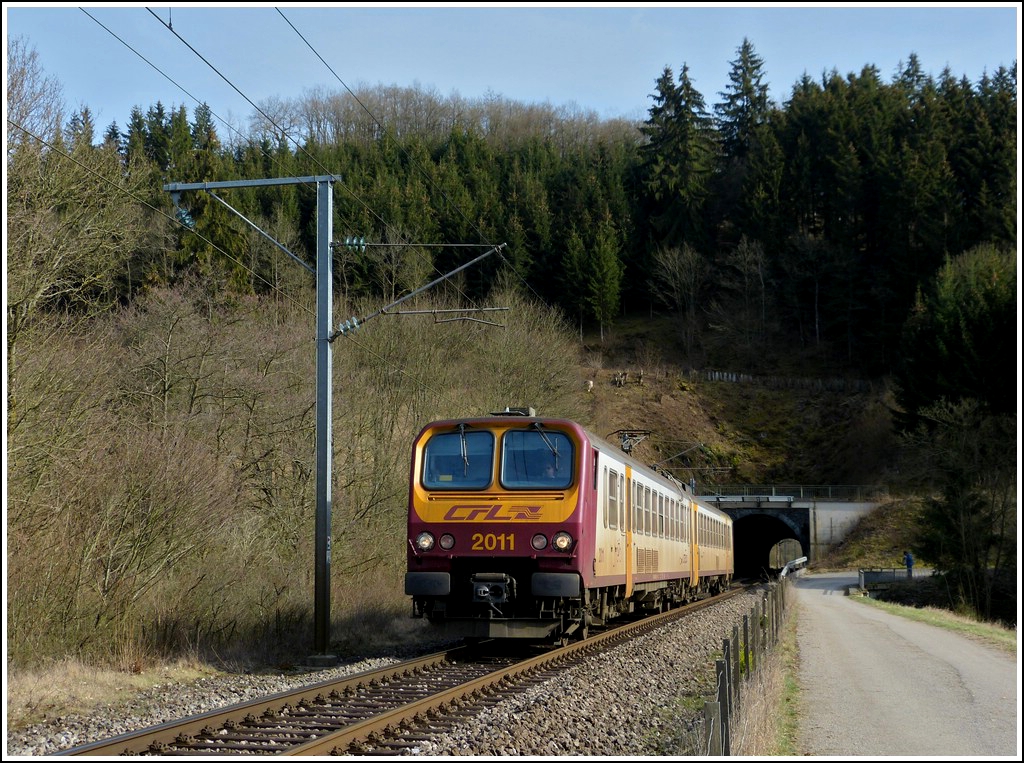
(641, 698)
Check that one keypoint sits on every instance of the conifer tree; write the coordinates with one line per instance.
(112, 138)
(679, 158)
(573, 276)
(80, 130)
(740, 119)
(135, 139)
(179, 146)
(745, 105)
(605, 278)
(963, 328)
(158, 136)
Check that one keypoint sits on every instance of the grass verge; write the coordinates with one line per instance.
(997, 636)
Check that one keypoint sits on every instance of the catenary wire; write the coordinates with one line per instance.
(284, 132)
(415, 163)
(169, 27)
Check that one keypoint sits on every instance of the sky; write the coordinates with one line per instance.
(604, 58)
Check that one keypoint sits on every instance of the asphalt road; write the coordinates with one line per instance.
(879, 684)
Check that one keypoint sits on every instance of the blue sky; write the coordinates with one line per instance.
(600, 57)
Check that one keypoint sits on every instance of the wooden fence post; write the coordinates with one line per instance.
(755, 632)
(738, 676)
(712, 730)
(723, 701)
(730, 677)
(746, 643)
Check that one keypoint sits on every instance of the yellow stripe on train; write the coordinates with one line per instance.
(494, 511)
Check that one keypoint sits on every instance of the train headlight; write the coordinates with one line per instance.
(447, 541)
(424, 541)
(562, 541)
(539, 541)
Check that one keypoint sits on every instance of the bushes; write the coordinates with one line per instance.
(161, 486)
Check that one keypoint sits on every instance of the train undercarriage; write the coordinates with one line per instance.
(548, 606)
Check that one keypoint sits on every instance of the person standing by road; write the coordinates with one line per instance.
(908, 559)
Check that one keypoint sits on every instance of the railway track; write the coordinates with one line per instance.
(381, 712)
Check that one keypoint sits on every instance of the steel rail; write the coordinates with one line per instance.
(349, 739)
(284, 732)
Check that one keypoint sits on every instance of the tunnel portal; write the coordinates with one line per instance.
(757, 531)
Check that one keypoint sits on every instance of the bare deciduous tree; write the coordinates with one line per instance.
(34, 101)
(73, 214)
(678, 279)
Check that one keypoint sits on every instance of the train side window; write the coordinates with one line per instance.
(647, 511)
(622, 501)
(612, 504)
(645, 502)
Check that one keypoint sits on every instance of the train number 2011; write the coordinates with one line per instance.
(493, 542)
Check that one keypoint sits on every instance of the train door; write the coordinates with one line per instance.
(694, 536)
(627, 530)
(615, 539)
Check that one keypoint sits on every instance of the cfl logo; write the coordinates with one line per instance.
(493, 513)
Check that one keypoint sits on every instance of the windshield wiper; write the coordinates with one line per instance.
(552, 448)
(465, 450)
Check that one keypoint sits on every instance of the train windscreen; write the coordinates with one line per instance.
(458, 461)
(536, 458)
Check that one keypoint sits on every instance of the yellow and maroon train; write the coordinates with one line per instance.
(527, 527)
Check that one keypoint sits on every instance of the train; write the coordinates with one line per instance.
(527, 527)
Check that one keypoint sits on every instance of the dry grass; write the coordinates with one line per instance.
(877, 540)
(71, 686)
(766, 724)
(762, 723)
(756, 728)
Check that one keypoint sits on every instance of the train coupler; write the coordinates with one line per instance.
(493, 589)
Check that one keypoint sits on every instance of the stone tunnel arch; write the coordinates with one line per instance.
(756, 531)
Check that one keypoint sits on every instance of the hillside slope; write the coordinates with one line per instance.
(778, 429)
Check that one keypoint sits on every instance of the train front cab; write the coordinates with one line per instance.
(495, 530)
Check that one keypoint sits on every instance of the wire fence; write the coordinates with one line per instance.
(797, 492)
(831, 384)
